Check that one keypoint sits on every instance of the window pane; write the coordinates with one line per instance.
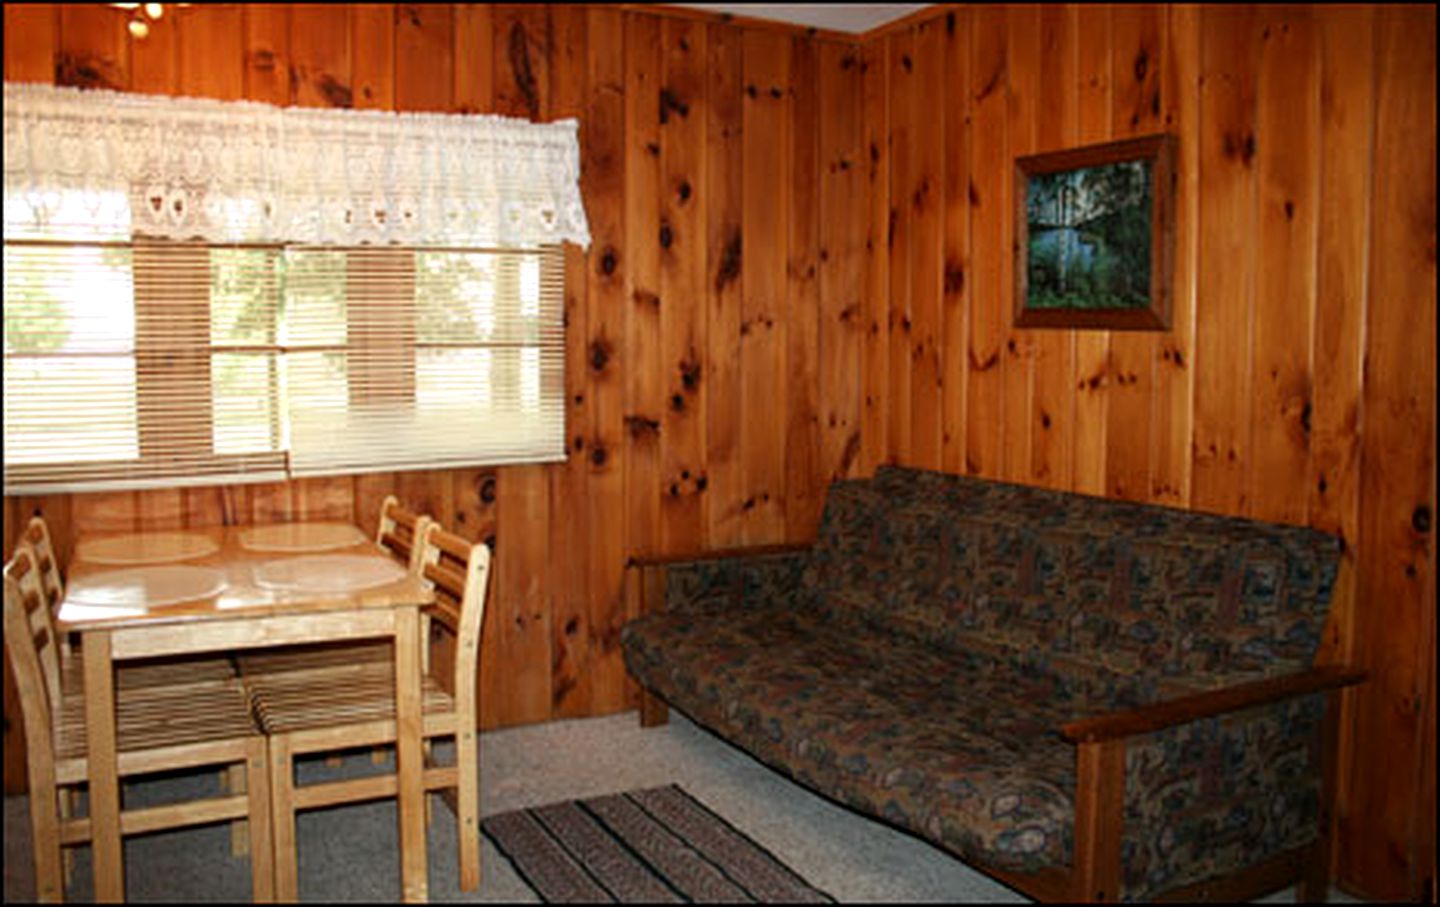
(455, 297)
(242, 297)
(530, 380)
(243, 405)
(530, 287)
(70, 408)
(316, 380)
(68, 299)
(454, 379)
(314, 303)
(69, 363)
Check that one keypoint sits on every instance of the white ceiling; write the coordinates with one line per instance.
(846, 17)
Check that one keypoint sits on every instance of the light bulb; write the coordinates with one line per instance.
(138, 28)
(154, 10)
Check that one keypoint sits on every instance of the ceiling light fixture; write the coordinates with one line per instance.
(142, 14)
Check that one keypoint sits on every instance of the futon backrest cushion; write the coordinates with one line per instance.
(1152, 592)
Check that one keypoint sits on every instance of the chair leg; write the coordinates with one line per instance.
(256, 777)
(467, 807)
(282, 818)
(428, 756)
(68, 797)
(45, 843)
(239, 832)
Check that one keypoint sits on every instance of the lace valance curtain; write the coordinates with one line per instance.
(101, 164)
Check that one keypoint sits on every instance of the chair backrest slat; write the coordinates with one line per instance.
(38, 535)
(30, 603)
(401, 532)
(36, 704)
(446, 578)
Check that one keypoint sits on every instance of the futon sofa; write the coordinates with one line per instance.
(1088, 699)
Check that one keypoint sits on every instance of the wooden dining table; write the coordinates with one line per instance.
(223, 589)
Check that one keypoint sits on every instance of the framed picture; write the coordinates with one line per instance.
(1095, 234)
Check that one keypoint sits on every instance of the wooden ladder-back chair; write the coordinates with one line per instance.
(158, 728)
(398, 532)
(146, 673)
(326, 712)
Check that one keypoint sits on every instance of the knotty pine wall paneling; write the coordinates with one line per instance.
(955, 241)
(694, 132)
(842, 286)
(603, 176)
(1054, 127)
(1297, 381)
(1395, 602)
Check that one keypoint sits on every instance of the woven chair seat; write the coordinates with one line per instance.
(158, 672)
(284, 703)
(154, 717)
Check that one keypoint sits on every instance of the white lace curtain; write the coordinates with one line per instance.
(104, 164)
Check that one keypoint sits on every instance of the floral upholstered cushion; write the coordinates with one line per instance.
(1178, 596)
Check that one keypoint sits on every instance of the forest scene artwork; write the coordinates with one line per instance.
(1090, 238)
(1095, 229)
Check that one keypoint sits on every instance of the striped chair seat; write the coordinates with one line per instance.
(291, 702)
(153, 672)
(150, 718)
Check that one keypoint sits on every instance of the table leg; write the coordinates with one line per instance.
(409, 767)
(104, 775)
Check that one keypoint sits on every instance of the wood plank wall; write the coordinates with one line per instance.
(1298, 381)
(801, 269)
(721, 169)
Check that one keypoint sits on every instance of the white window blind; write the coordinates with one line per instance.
(137, 364)
(202, 291)
(401, 358)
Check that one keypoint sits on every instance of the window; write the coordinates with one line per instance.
(132, 364)
(398, 358)
(203, 291)
(153, 362)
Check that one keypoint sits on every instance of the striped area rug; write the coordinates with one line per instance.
(655, 846)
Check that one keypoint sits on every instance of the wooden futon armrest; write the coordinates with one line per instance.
(1160, 715)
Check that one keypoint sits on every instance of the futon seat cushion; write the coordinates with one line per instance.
(959, 748)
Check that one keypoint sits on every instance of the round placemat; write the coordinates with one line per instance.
(301, 537)
(146, 587)
(328, 573)
(146, 548)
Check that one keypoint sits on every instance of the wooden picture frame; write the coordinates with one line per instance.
(1095, 236)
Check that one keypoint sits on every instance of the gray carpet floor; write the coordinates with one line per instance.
(348, 853)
